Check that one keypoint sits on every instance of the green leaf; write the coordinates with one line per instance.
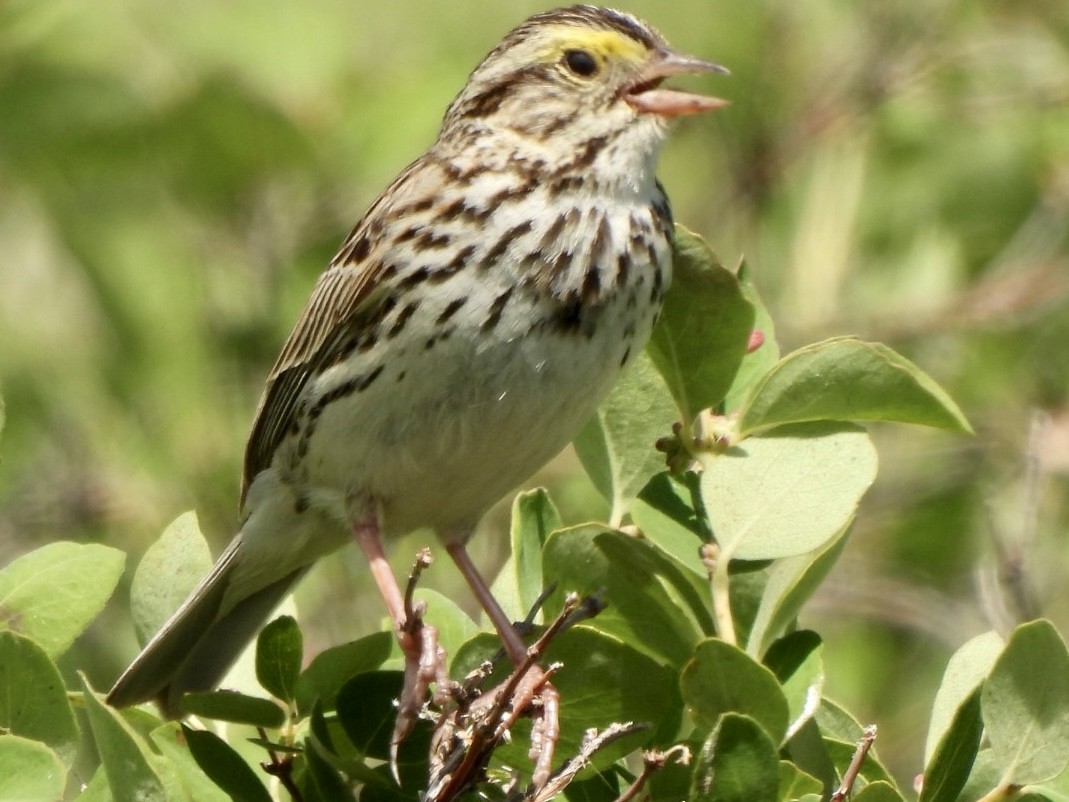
(29, 771)
(947, 771)
(602, 681)
(985, 776)
(791, 581)
(878, 791)
(965, 671)
(97, 789)
(703, 330)
(796, 660)
(33, 700)
(724, 679)
(235, 707)
(279, 652)
(1055, 789)
(601, 787)
(224, 766)
(789, 491)
(52, 594)
(666, 517)
(332, 668)
(842, 754)
(454, 626)
(809, 753)
(321, 781)
(171, 741)
(795, 783)
(126, 758)
(484, 647)
(169, 570)
(367, 712)
(837, 723)
(738, 763)
(847, 379)
(758, 362)
(648, 598)
(520, 583)
(1025, 703)
(616, 446)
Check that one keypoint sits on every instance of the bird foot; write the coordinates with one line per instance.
(466, 737)
(424, 663)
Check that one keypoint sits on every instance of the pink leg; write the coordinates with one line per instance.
(424, 659)
(367, 538)
(514, 645)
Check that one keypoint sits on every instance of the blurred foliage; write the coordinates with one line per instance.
(172, 178)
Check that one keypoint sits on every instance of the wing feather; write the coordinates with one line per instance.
(347, 297)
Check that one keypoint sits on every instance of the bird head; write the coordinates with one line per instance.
(565, 77)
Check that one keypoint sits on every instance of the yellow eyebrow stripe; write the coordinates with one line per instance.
(606, 44)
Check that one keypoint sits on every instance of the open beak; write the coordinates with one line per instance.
(645, 93)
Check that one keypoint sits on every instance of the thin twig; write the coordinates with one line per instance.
(868, 735)
(592, 742)
(652, 762)
(281, 768)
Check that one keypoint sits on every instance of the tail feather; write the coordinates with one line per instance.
(197, 645)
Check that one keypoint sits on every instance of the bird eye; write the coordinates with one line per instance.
(580, 63)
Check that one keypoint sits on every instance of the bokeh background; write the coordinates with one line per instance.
(173, 176)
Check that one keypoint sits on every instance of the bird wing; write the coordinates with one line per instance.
(342, 296)
(347, 297)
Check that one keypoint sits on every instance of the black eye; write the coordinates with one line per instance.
(581, 63)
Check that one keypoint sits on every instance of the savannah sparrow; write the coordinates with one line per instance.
(464, 333)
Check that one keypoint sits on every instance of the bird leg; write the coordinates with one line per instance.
(424, 658)
(529, 686)
(466, 737)
(514, 645)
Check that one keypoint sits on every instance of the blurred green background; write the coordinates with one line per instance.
(173, 176)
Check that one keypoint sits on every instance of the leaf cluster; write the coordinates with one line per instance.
(703, 567)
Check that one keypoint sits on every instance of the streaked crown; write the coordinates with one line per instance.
(554, 69)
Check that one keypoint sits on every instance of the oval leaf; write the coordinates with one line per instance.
(704, 327)
(878, 791)
(847, 379)
(759, 361)
(616, 446)
(169, 570)
(738, 763)
(1025, 703)
(172, 743)
(967, 668)
(795, 783)
(30, 771)
(33, 700)
(602, 681)
(519, 583)
(235, 707)
(723, 679)
(226, 767)
(51, 594)
(789, 491)
(367, 711)
(334, 667)
(664, 511)
(954, 754)
(796, 660)
(279, 652)
(454, 626)
(791, 581)
(645, 605)
(122, 752)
